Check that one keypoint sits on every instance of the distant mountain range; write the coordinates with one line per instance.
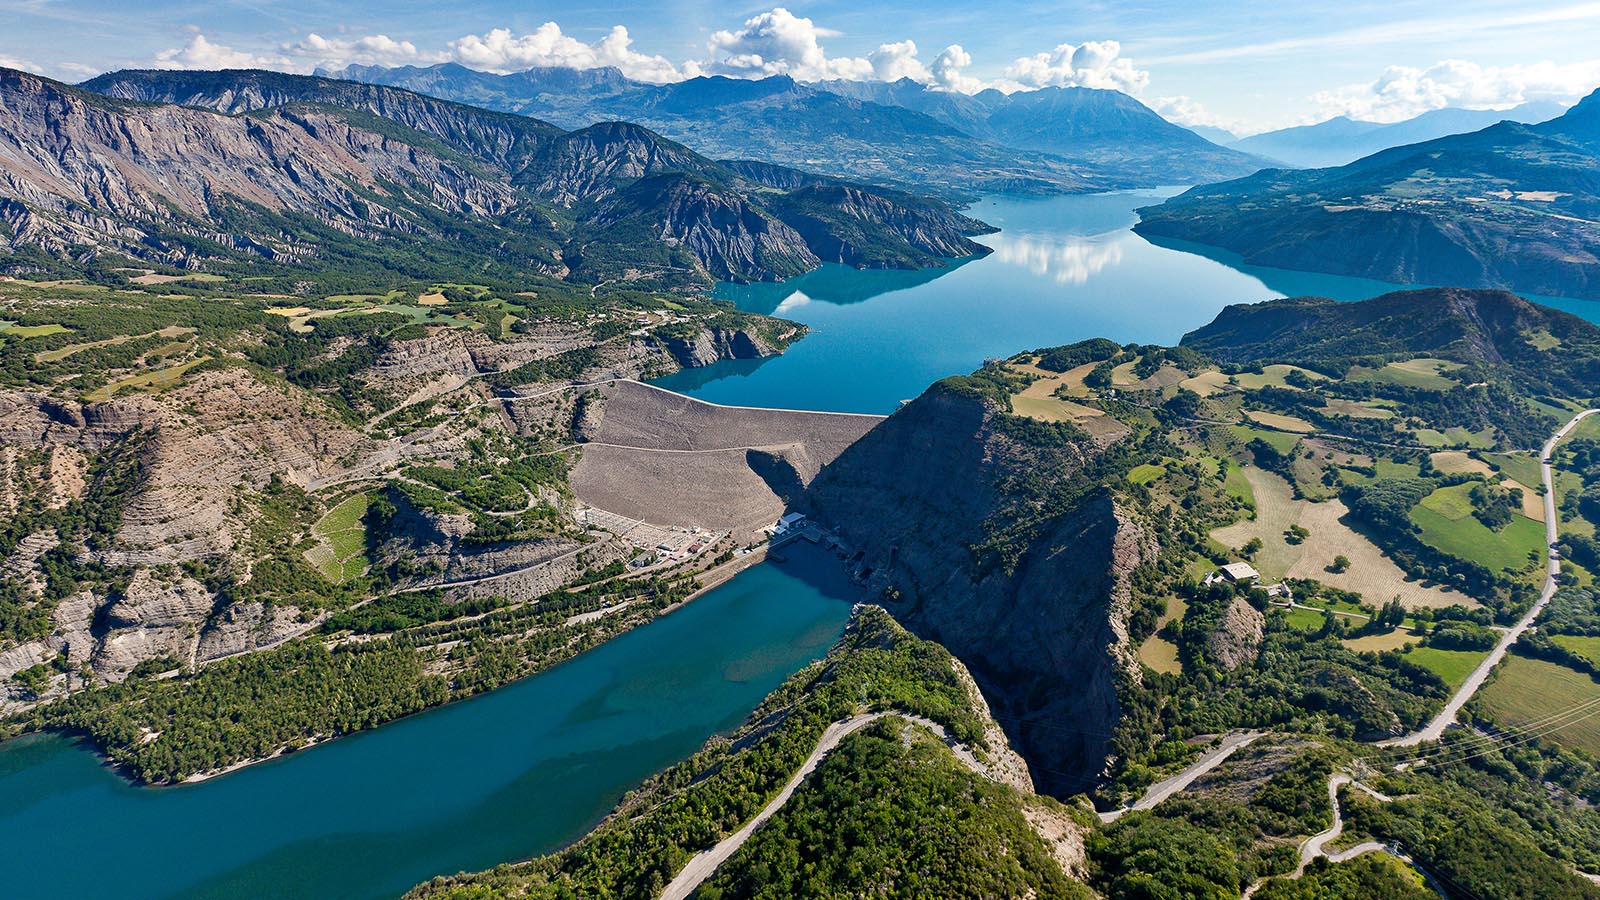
(1511, 205)
(239, 168)
(1343, 140)
(1048, 141)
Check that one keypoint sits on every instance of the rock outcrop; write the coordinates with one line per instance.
(1238, 635)
(81, 168)
(1044, 630)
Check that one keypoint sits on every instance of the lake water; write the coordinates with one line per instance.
(532, 766)
(500, 777)
(1063, 269)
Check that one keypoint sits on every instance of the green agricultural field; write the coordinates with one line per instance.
(1528, 691)
(1445, 517)
(61, 353)
(1586, 646)
(1238, 486)
(1424, 373)
(1146, 473)
(1451, 665)
(1280, 422)
(1303, 619)
(1386, 468)
(1453, 437)
(1542, 340)
(1280, 441)
(341, 536)
(157, 380)
(1397, 639)
(1273, 376)
(1356, 410)
(31, 331)
(1520, 467)
(1562, 412)
(423, 315)
(1451, 502)
(1161, 655)
(363, 298)
(1588, 428)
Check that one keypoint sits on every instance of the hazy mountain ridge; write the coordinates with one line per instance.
(1107, 131)
(1342, 140)
(1513, 205)
(1054, 140)
(262, 165)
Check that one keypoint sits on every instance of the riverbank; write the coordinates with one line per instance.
(507, 774)
(446, 648)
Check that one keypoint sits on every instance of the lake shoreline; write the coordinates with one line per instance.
(719, 575)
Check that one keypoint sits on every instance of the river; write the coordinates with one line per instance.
(530, 767)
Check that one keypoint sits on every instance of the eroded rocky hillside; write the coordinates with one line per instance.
(239, 473)
(214, 170)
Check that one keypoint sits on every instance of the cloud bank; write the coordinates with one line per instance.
(1403, 91)
(1097, 64)
(501, 51)
(776, 42)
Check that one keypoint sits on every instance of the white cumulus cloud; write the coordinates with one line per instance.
(775, 42)
(500, 50)
(202, 53)
(1095, 64)
(369, 50)
(949, 71)
(892, 62)
(778, 42)
(14, 62)
(1405, 91)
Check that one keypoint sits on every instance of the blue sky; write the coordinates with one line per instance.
(1245, 65)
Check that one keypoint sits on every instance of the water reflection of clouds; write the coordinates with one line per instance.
(1069, 261)
(791, 303)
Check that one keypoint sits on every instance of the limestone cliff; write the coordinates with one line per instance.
(1044, 629)
(609, 202)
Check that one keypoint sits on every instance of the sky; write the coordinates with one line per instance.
(1244, 66)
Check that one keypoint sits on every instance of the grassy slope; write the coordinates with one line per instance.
(1532, 690)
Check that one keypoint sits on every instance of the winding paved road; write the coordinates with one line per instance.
(705, 863)
(1447, 716)
(1161, 790)
(1312, 848)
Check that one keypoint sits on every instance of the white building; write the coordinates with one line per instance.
(789, 520)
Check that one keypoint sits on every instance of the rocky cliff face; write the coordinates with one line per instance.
(1046, 636)
(1238, 635)
(623, 201)
(730, 236)
(709, 345)
(507, 141)
(81, 169)
(866, 229)
(190, 460)
(590, 164)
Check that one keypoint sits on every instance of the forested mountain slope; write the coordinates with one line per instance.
(1513, 206)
